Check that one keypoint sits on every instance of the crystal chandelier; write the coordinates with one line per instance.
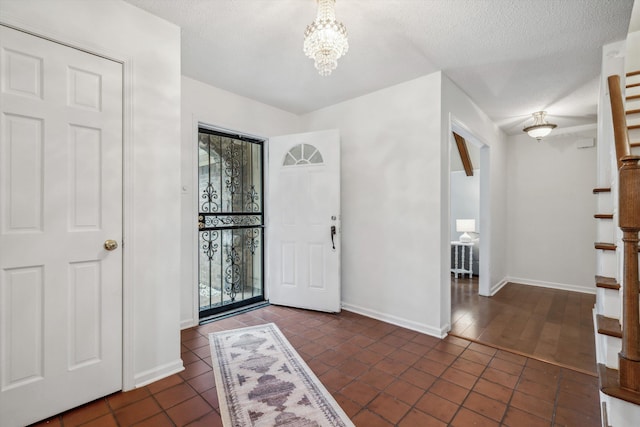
(540, 128)
(325, 39)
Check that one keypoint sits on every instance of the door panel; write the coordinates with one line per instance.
(304, 196)
(23, 288)
(85, 301)
(85, 172)
(22, 166)
(60, 198)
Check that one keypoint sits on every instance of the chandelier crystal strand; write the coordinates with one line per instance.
(325, 39)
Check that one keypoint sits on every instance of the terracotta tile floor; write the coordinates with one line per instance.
(382, 375)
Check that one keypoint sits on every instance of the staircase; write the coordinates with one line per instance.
(616, 313)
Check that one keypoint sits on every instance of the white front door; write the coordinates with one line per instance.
(303, 230)
(60, 200)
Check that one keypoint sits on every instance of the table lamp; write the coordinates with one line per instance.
(464, 226)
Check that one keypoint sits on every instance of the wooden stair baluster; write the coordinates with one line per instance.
(629, 218)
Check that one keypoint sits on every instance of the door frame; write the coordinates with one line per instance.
(128, 372)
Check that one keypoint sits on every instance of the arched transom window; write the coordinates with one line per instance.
(303, 154)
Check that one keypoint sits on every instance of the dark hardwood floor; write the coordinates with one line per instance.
(547, 324)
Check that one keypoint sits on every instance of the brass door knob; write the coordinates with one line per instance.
(110, 245)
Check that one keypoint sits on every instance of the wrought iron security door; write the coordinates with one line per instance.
(230, 221)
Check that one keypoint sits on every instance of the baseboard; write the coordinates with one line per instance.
(398, 321)
(495, 288)
(187, 323)
(158, 373)
(552, 285)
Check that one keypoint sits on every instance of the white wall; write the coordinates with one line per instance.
(391, 169)
(208, 105)
(395, 198)
(633, 40)
(550, 212)
(150, 50)
(394, 156)
(469, 121)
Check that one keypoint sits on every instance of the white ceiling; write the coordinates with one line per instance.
(512, 57)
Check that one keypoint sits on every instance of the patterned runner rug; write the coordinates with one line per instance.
(262, 381)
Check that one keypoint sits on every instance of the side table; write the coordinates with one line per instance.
(458, 268)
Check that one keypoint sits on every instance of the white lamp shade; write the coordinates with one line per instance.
(465, 225)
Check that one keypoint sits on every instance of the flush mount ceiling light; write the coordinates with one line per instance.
(325, 39)
(540, 128)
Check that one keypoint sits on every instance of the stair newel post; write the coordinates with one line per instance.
(629, 218)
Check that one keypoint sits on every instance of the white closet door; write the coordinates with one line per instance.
(60, 200)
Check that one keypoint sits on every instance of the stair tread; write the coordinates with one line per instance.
(636, 111)
(631, 127)
(635, 144)
(605, 246)
(607, 282)
(632, 85)
(602, 190)
(632, 97)
(609, 326)
(603, 216)
(609, 384)
(633, 73)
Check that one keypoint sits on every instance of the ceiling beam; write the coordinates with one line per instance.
(464, 154)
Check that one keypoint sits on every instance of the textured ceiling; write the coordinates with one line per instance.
(512, 57)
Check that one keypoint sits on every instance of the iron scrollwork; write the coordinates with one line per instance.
(233, 276)
(209, 248)
(231, 220)
(209, 194)
(253, 241)
(232, 168)
(252, 200)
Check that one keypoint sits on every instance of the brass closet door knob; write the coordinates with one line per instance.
(110, 245)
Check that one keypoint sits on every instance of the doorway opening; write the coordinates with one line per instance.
(469, 225)
(230, 221)
(465, 207)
